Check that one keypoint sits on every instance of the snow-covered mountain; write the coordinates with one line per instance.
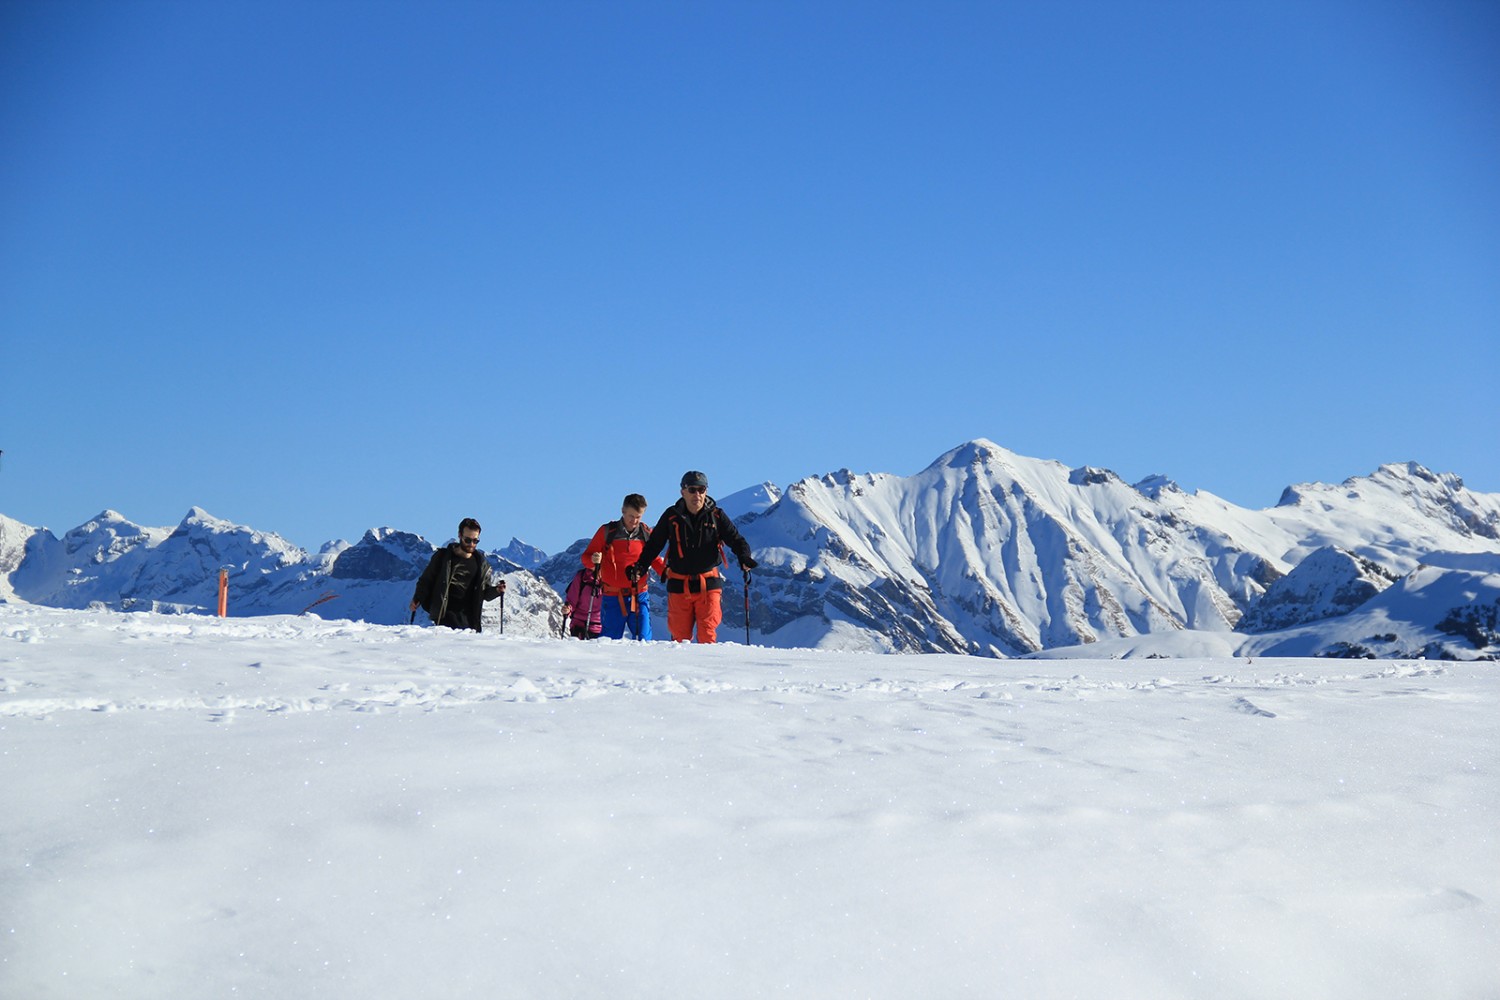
(752, 500)
(116, 563)
(523, 555)
(1448, 608)
(983, 552)
(1328, 583)
(986, 551)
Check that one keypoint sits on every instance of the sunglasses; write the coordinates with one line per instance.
(696, 489)
(470, 541)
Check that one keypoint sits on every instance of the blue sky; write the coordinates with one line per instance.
(319, 267)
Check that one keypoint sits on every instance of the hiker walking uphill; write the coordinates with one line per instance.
(613, 549)
(691, 531)
(457, 582)
(581, 603)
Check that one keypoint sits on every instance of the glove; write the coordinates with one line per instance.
(747, 563)
(635, 571)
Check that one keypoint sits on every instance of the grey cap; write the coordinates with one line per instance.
(694, 478)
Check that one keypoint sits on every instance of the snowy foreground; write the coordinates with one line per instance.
(286, 807)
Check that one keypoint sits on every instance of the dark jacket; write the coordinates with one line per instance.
(432, 587)
(692, 540)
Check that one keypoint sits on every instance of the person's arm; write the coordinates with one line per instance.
(649, 552)
(571, 595)
(658, 564)
(423, 589)
(730, 535)
(594, 553)
(492, 583)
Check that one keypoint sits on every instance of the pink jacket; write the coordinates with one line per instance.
(584, 598)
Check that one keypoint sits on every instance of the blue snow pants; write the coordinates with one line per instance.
(617, 620)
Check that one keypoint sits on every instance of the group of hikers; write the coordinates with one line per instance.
(610, 594)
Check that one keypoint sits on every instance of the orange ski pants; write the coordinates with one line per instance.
(702, 609)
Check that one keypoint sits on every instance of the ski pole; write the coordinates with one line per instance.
(502, 612)
(747, 607)
(594, 595)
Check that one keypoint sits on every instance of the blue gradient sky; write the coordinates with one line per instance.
(321, 267)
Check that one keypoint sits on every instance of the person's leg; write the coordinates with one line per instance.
(710, 613)
(613, 619)
(643, 617)
(680, 616)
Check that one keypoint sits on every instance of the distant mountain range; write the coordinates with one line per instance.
(984, 552)
(113, 562)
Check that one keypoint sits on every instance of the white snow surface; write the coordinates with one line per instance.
(288, 807)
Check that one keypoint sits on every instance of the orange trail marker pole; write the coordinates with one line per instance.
(223, 593)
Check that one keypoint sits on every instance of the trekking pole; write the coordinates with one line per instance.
(633, 620)
(747, 607)
(594, 595)
(502, 612)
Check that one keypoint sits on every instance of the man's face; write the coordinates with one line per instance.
(468, 541)
(631, 516)
(695, 497)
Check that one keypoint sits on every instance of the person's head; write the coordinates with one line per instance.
(694, 490)
(468, 534)
(632, 510)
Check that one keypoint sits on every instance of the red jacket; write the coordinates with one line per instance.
(620, 548)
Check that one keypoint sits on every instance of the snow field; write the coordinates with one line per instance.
(286, 807)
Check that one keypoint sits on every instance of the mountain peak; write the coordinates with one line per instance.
(977, 451)
(980, 453)
(1154, 485)
(1415, 470)
(522, 554)
(751, 500)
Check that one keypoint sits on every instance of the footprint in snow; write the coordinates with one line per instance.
(1250, 708)
(1445, 901)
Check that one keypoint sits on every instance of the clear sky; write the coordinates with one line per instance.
(318, 267)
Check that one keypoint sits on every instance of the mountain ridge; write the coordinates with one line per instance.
(984, 551)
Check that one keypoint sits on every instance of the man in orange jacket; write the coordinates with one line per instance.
(612, 550)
